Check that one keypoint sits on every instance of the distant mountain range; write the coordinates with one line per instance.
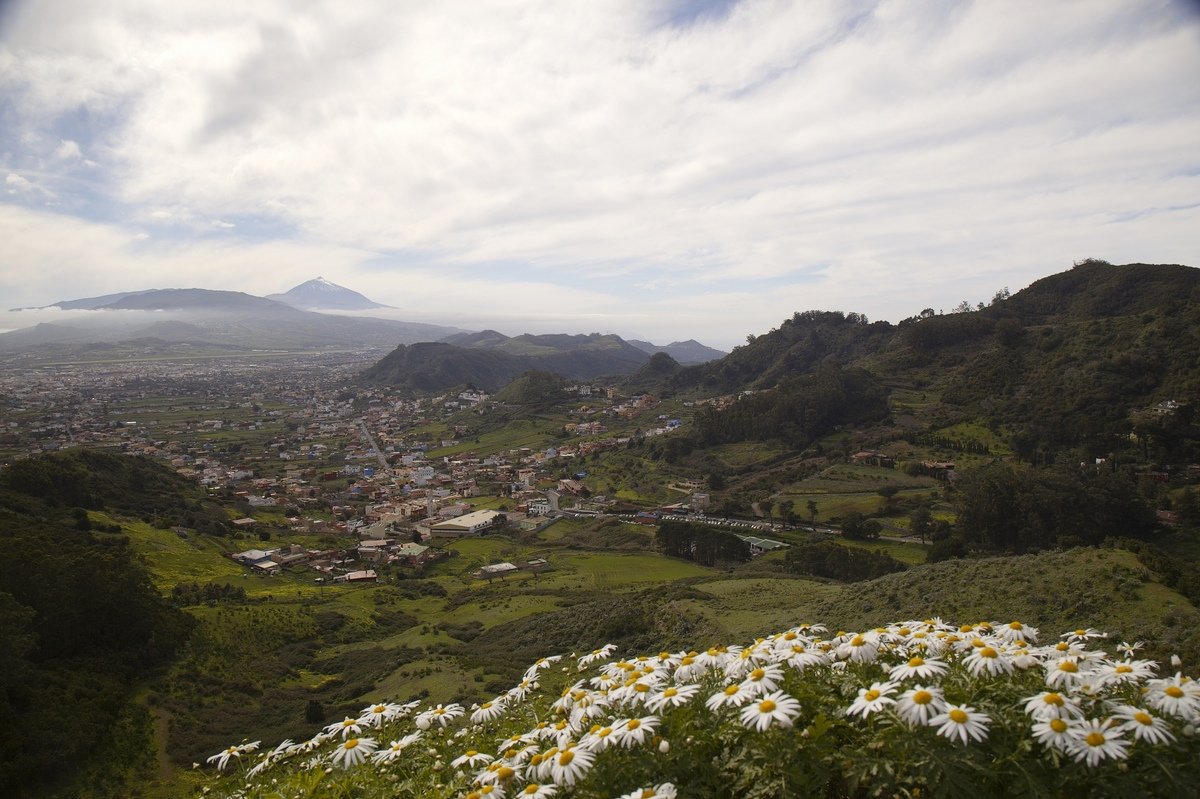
(218, 319)
(684, 352)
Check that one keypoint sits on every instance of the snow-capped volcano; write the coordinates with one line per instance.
(320, 294)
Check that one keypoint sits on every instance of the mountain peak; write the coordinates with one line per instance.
(323, 294)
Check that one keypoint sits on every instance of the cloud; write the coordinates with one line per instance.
(870, 156)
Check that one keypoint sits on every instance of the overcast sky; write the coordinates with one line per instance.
(661, 169)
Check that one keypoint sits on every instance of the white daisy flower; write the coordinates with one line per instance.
(988, 660)
(873, 699)
(919, 705)
(1052, 705)
(961, 722)
(763, 679)
(472, 759)
(353, 751)
(734, 695)
(918, 667)
(488, 711)
(346, 727)
(1057, 733)
(1096, 740)
(537, 791)
(775, 709)
(1144, 726)
(672, 696)
(569, 766)
(634, 732)
(396, 748)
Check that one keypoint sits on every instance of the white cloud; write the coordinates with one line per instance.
(884, 155)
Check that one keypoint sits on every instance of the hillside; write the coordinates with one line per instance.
(1074, 360)
(490, 360)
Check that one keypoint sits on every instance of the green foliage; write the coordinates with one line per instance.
(706, 545)
(80, 621)
(837, 562)
(1014, 508)
(800, 410)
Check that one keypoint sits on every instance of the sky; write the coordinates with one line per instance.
(660, 169)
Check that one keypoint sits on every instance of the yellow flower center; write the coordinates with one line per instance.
(1143, 718)
(1174, 691)
(566, 757)
(1053, 699)
(766, 706)
(905, 632)
(531, 789)
(1058, 725)
(471, 753)
(1062, 646)
(757, 674)
(1082, 632)
(641, 688)
(378, 709)
(353, 742)
(916, 661)
(988, 652)
(1123, 669)
(633, 724)
(670, 692)
(922, 698)
(730, 690)
(1069, 666)
(604, 732)
(857, 640)
(871, 695)
(1095, 739)
(1015, 625)
(958, 716)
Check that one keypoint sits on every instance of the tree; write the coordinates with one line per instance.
(921, 522)
(855, 526)
(812, 512)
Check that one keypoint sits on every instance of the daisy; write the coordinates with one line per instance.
(1064, 672)
(988, 660)
(1016, 631)
(961, 722)
(860, 648)
(763, 679)
(498, 774)
(545, 662)
(472, 759)
(633, 732)
(1083, 635)
(1056, 733)
(571, 765)
(1174, 696)
(598, 738)
(777, 708)
(734, 695)
(346, 727)
(375, 715)
(919, 705)
(1144, 726)
(440, 715)
(488, 711)
(1052, 705)
(596, 655)
(1126, 672)
(1128, 650)
(1096, 740)
(919, 667)
(353, 751)
(672, 696)
(664, 791)
(484, 792)
(395, 748)
(222, 758)
(801, 657)
(535, 791)
(872, 700)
